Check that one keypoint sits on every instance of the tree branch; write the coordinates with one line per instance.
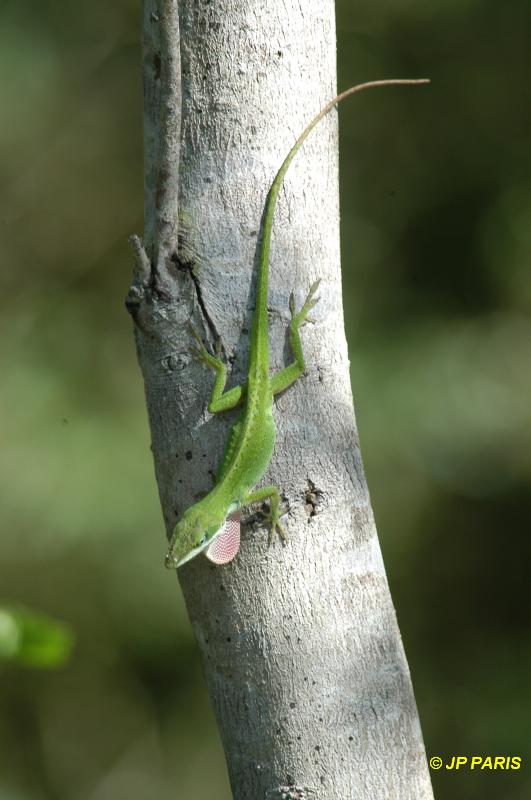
(162, 128)
(301, 650)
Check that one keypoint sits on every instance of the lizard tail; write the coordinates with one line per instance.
(259, 343)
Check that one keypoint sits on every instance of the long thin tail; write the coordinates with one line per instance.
(259, 340)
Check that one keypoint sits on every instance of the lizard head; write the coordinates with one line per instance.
(200, 530)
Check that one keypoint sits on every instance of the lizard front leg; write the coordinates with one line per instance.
(273, 516)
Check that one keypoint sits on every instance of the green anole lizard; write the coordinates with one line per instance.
(212, 525)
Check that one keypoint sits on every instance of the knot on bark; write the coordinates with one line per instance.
(152, 286)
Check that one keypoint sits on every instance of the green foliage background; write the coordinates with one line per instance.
(436, 234)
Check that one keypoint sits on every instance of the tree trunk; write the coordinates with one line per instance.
(301, 649)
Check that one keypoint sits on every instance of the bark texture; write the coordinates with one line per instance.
(301, 649)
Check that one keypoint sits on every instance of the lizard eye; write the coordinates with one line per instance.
(203, 540)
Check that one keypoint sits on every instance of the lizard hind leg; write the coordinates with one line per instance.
(289, 374)
(220, 400)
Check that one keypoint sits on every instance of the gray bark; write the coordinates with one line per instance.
(301, 650)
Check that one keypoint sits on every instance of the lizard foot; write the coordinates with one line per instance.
(272, 519)
(200, 352)
(298, 319)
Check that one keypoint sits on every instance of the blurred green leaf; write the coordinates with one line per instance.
(32, 639)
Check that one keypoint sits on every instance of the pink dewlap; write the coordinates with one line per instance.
(227, 543)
